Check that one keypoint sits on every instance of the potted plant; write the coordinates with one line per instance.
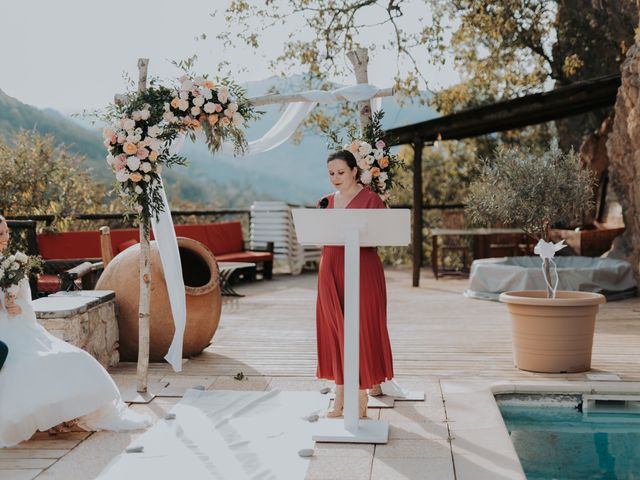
(552, 331)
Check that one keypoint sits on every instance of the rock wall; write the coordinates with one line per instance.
(623, 148)
(593, 154)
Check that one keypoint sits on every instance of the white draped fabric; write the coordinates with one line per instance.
(165, 236)
(292, 117)
(352, 93)
(163, 229)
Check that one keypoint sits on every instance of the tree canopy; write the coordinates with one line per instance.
(37, 177)
(500, 48)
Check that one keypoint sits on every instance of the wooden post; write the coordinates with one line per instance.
(106, 250)
(359, 59)
(145, 272)
(417, 209)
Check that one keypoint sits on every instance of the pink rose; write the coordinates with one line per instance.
(119, 162)
(142, 153)
(380, 144)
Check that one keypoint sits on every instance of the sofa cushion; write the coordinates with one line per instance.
(120, 236)
(194, 232)
(67, 245)
(124, 245)
(253, 257)
(48, 283)
(225, 237)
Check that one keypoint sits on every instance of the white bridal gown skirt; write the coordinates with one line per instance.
(46, 381)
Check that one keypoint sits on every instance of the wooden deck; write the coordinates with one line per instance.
(435, 332)
(269, 336)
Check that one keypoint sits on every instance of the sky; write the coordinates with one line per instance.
(70, 55)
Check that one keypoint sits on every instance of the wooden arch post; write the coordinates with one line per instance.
(360, 60)
(145, 265)
(145, 272)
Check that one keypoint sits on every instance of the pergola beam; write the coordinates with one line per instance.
(574, 99)
(417, 239)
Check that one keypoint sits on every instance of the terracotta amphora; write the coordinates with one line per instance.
(200, 274)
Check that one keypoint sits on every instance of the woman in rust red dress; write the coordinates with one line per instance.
(376, 363)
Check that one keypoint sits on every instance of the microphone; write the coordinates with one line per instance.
(324, 202)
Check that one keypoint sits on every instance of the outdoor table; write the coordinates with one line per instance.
(479, 235)
(226, 270)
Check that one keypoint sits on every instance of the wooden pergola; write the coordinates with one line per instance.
(573, 99)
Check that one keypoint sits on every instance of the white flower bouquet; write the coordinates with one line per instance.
(220, 110)
(14, 268)
(143, 126)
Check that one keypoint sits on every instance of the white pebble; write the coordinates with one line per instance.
(305, 452)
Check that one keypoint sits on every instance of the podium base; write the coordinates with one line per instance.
(415, 396)
(369, 431)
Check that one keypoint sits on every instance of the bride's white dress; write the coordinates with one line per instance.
(46, 381)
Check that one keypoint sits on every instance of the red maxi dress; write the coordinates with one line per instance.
(376, 362)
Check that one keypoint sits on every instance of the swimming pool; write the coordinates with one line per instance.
(556, 439)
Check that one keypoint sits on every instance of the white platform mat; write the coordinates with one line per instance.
(222, 434)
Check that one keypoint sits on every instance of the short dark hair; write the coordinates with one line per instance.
(348, 157)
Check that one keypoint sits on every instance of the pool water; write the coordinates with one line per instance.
(554, 440)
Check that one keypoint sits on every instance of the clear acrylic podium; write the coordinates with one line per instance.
(353, 228)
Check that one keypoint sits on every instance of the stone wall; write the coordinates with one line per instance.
(85, 322)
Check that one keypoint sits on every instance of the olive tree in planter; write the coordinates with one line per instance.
(552, 331)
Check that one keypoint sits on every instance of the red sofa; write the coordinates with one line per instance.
(224, 239)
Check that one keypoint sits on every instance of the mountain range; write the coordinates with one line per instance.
(294, 172)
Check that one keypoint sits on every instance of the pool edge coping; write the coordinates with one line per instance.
(475, 421)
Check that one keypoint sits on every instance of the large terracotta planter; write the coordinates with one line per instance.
(200, 274)
(552, 335)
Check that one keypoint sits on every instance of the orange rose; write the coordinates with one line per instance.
(135, 177)
(213, 119)
(130, 148)
(195, 123)
(174, 102)
(153, 156)
(375, 171)
(209, 84)
(383, 162)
